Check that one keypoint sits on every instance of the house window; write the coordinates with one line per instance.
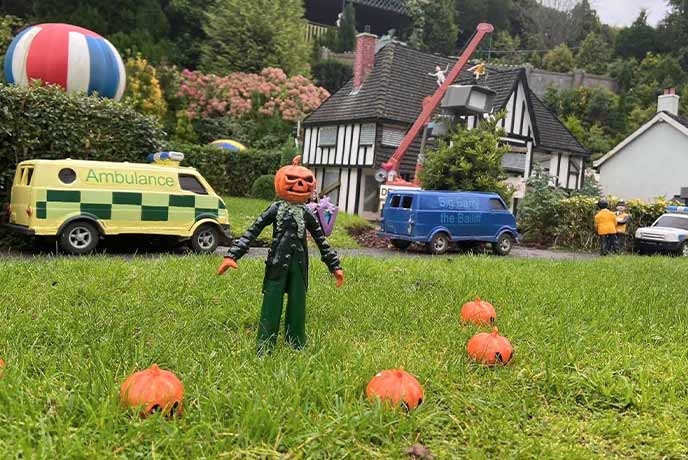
(328, 136)
(392, 136)
(331, 185)
(367, 134)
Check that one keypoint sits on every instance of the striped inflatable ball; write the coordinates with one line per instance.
(72, 57)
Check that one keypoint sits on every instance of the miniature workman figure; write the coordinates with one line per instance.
(622, 220)
(286, 270)
(605, 226)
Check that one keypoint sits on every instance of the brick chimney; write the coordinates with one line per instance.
(365, 58)
(668, 102)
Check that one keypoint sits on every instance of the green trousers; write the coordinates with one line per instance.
(292, 284)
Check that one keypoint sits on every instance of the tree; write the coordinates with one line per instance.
(505, 49)
(143, 91)
(440, 33)
(594, 54)
(470, 159)
(414, 32)
(585, 21)
(346, 34)
(638, 39)
(560, 59)
(250, 36)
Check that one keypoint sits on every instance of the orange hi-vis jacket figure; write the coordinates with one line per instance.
(605, 222)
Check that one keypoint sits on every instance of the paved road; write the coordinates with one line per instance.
(517, 252)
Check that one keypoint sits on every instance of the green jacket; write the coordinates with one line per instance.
(289, 241)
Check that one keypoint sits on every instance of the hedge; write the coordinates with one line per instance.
(230, 173)
(48, 123)
(264, 187)
(575, 221)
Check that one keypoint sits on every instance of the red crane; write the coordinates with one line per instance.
(429, 107)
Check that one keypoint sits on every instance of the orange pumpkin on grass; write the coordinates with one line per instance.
(478, 312)
(153, 390)
(490, 348)
(396, 386)
(295, 183)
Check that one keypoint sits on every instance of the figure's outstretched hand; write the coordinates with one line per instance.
(339, 275)
(227, 263)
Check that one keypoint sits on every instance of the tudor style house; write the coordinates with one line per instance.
(360, 126)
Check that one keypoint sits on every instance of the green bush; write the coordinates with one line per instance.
(264, 187)
(230, 173)
(331, 74)
(46, 122)
(245, 167)
(549, 218)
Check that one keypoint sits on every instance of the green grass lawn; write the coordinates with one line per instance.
(244, 211)
(599, 370)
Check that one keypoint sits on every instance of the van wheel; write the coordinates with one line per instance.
(439, 244)
(79, 238)
(402, 245)
(683, 251)
(503, 245)
(205, 239)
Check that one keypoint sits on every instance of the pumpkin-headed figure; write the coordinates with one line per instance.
(286, 269)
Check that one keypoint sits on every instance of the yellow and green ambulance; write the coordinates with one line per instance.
(81, 202)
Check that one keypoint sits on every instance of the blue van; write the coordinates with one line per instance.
(440, 218)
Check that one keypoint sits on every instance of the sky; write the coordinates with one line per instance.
(624, 12)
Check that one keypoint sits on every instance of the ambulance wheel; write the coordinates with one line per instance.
(79, 238)
(503, 245)
(205, 239)
(439, 244)
(402, 245)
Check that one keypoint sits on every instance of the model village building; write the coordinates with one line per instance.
(360, 126)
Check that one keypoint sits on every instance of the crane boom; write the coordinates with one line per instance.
(392, 166)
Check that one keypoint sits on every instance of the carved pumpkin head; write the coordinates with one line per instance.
(294, 183)
(478, 312)
(490, 348)
(153, 390)
(394, 387)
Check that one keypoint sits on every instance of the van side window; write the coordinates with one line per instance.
(189, 183)
(496, 205)
(28, 175)
(396, 199)
(407, 202)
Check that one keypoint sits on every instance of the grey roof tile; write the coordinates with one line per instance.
(395, 89)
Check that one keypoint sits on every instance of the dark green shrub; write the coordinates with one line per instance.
(47, 123)
(264, 187)
(331, 74)
(230, 173)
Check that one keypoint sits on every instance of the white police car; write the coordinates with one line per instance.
(669, 233)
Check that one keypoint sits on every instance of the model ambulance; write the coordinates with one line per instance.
(81, 202)
(669, 233)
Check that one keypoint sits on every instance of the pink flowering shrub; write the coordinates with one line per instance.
(269, 93)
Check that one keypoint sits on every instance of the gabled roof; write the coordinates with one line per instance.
(400, 80)
(550, 132)
(678, 122)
